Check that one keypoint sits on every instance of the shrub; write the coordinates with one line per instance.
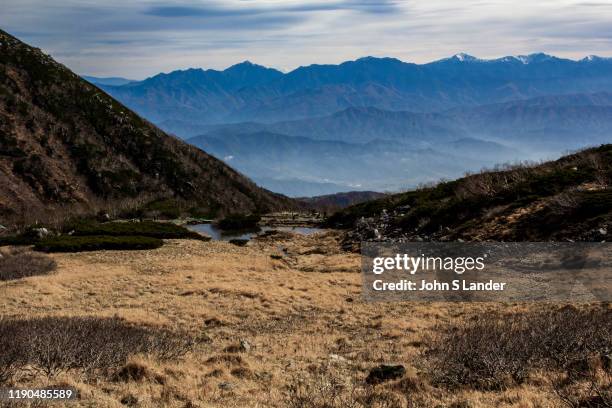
(70, 243)
(167, 208)
(496, 349)
(16, 240)
(52, 345)
(145, 228)
(328, 389)
(21, 263)
(239, 222)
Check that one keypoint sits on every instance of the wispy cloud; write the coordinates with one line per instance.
(142, 37)
(253, 9)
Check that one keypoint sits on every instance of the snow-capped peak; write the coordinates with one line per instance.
(528, 59)
(463, 57)
(592, 58)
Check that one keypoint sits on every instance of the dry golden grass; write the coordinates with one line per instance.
(300, 311)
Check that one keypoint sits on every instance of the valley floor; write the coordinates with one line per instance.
(283, 320)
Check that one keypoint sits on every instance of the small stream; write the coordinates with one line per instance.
(219, 235)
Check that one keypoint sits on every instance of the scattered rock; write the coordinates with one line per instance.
(377, 234)
(226, 386)
(129, 400)
(104, 217)
(239, 242)
(245, 346)
(336, 357)
(349, 299)
(603, 231)
(384, 373)
(41, 232)
(242, 347)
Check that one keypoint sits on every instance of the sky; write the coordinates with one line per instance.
(139, 38)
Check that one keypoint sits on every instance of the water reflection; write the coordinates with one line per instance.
(218, 235)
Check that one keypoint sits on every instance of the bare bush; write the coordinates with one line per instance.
(564, 201)
(51, 345)
(592, 389)
(20, 263)
(495, 351)
(327, 389)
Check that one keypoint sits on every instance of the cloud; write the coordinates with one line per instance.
(223, 10)
(200, 11)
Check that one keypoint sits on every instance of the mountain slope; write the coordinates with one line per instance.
(192, 93)
(65, 144)
(333, 202)
(570, 198)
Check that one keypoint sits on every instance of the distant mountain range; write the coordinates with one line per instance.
(67, 147)
(249, 92)
(380, 123)
(333, 202)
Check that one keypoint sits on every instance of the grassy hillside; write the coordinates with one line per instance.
(569, 198)
(66, 146)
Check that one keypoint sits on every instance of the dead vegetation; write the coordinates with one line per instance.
(497, 351)
(299, 338)
(17, 263)
(94, 346)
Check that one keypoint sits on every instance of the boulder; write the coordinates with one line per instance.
(239, 242)
(226, 386)
(41, 232)
(384, 373)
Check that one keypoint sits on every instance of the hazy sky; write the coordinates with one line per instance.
(138, 38)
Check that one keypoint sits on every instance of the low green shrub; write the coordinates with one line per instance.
(145, 228)
(239, 222)
(167, 208)
(71, 243)
(15, 240)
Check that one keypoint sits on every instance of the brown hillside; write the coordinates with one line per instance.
(566, 199)
(67, 146)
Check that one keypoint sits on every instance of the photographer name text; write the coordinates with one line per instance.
(437, 286)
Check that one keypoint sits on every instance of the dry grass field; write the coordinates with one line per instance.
(278, 323)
